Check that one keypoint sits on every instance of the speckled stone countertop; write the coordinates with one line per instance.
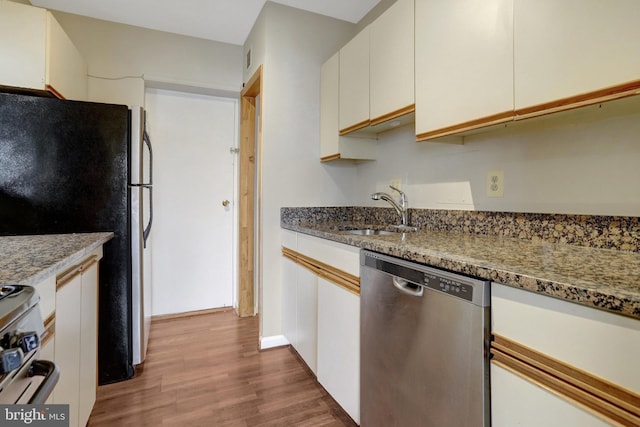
(603, 278)
(26, 260)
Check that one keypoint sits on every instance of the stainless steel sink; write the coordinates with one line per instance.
(371, 232)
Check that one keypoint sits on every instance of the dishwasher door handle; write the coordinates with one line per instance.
(407, 287)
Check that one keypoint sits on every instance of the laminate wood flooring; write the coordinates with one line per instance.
(206, 370)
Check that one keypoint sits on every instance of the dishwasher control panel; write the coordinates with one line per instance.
(449, 286)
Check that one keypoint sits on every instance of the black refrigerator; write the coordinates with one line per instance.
(65, 168)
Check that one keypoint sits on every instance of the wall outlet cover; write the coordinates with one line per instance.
(495, 183)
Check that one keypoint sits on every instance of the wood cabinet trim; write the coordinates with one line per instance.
(603, 95)
(53, 91)
(353, 128)
(88, 263)
(604, 399)
(74, 271)
(49, 330)
(330, 158)
(68, 276)
(494, 119)
(334, 275)
(393, 115)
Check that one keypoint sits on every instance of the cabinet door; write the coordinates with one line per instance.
(518, 402)
(332, 145)
(66, 69)
(392, 63)
(47, 352)
(67, 344)
(339, 345)
(596, 341)
(329, 112)
(307, 317)
(289, 300)
(573, 47)
(354, 83)
(464, 65)
(88, 341)
(23, 47)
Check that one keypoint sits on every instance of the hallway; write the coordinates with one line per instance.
(205, 370)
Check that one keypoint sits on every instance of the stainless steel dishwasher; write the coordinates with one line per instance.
(424, 337)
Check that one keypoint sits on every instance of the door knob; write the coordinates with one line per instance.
(225, 203)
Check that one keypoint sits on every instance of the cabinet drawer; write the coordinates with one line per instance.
(602, 343)
(338, 255)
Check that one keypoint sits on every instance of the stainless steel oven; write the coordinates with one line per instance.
(24, 378)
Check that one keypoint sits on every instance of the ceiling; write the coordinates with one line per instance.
(228, 21)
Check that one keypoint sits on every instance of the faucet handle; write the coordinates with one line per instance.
(403, 197)
(396, 189)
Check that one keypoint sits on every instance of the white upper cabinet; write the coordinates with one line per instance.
(36, 53)
(391, 72)
(574, 52)
(66, 70)
(463, 65)
(332, 145)
(354, 83)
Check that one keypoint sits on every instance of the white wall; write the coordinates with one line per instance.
(581, 166)
(292, 45)
(127, 53)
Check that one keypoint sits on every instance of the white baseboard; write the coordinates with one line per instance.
(274, 341)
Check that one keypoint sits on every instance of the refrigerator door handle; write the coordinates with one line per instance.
(147, 229)
(147, 141)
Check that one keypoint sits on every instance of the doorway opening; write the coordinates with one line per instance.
(249, 196)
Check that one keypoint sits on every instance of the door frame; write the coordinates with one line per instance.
(250, 190)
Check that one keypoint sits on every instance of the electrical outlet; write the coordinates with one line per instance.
(495, 183)
(396, 182)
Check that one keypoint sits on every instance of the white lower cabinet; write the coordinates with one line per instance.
(67, 345)
(557, 363)
(75, 344)
(339, 345)
(321, 312)
(307, 318)
(518, 402)
(88, 342)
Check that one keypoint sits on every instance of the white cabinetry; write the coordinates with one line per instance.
(579, 363)
(354, 83)
(299, 305)
(307, 318)
(36, 53)
(75, 348)
(518, 402)
(332, 145)
(391, 68)
(321, 312)
(463, 65)
(88, 340)
(67, 344)
(339, 345)
(574, 52)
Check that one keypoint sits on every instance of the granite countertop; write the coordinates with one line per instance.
(602, 278)
(26, 260)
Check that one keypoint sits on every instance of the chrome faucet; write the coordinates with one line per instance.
(400, 207)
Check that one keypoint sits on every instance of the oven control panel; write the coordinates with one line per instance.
(14, 347)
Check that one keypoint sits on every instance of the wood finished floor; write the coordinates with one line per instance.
(206, 370)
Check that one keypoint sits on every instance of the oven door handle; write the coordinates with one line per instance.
(51, 372)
